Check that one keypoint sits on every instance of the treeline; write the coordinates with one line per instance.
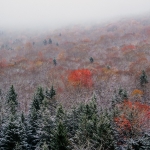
(48, 126)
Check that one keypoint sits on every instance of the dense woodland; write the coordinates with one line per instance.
(76, 88)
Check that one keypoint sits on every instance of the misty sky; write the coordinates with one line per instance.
(57, 13)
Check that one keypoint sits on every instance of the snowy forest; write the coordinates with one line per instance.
(76, 88)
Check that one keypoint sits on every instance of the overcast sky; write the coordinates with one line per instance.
(57, 13)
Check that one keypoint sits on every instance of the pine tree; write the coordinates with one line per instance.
(12, 96)
(50, 93)
(11, 103)
(72, 122)
(52, 102)
(143, 82)
(46, 126)
(54, 62)
(2, 107)
(87, 122)
(11, 100)
(104, 135)
(45, 42)
(32, 126)
(60, 114)
(23, 132)
(39, 95)
(35, 104)
(34, 117)
(143, 78)
(38, 99)
(9, 134)
(61, 137)
(91, 60)
(13, 134)
(50, 41)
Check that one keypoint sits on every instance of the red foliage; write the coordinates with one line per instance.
(142, 108)
(3, 63)
(128, 47)
(123, 123)
(139, 118)
(128, 104)
(81, 77)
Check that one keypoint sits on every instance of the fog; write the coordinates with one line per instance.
(34, 14)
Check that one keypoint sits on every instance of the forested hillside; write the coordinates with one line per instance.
(79, 87)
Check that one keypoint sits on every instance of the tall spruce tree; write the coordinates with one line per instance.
(39, 95)
(60, 139)
(10, 134)
(12, 96)
(72, 122)
(37, 99)
(32, 126)
(104, 136)
(87, 123)
(50, 93)
(60, 114)
(11, 100)
(2, 107)
(34, 117)
(23, 132)
(50, 96)
(13, 131)
(46, 126)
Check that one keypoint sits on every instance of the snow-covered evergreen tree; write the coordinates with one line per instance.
(32, 126)
(13, 132)
(2, 107)
(60, 140)
(34, 118)
(52, 102)
(46, 125)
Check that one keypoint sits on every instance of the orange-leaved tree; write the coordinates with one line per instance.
(133, 117)
(137, 92)
(81, 77)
